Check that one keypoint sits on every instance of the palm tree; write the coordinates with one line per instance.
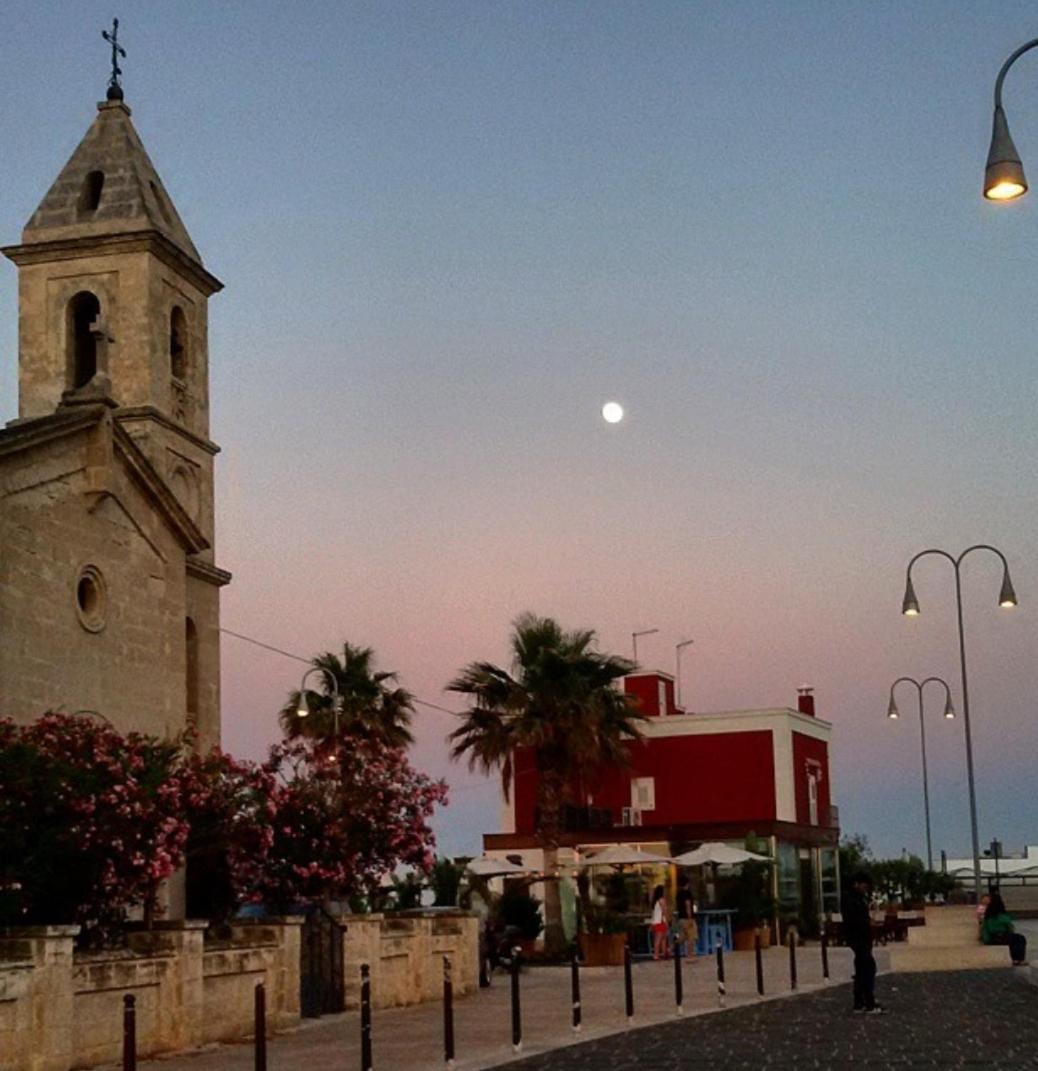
(562, 702)
(373, 706)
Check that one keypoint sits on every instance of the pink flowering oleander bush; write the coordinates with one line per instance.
(91, 821)
(230, 808)
(347, 815)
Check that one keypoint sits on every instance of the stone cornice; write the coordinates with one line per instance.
(131, 242)
(208, 572)
(128, 413)
(158, 491)
(24, 434)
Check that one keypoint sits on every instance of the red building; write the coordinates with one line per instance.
(704, 777)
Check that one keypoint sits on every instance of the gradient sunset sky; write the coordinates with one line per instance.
(451, 231)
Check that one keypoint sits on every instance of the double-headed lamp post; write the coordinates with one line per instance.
(910, 608)
(949, 712)
(1004, 175)
(303, 710)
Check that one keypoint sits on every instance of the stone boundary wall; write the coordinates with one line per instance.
(405, 953)
(61, 1010)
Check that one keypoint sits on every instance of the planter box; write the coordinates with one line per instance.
(743, 938)
(603, 949)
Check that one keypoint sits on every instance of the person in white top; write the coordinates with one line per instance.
(660, 924)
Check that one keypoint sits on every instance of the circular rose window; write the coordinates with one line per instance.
(91, 598)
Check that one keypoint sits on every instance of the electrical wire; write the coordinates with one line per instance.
(307, 661)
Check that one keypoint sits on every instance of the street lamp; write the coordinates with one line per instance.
(1004, 175)
(910, 608)
(634, 640)
(677, 654)
(303, 709)
(949, 712)
(994, 851)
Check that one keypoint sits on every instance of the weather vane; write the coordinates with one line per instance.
(115, 89)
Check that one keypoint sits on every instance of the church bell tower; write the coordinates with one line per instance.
(113, 303)
(113, 418)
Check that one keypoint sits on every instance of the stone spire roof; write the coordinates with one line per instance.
(109, 186)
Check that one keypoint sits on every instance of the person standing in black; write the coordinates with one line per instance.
(857, 935)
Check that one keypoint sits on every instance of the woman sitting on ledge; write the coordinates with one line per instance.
(997, 929)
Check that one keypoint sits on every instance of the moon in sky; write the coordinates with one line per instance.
(612, 412)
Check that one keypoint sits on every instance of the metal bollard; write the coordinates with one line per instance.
(574, 979)
(792, 937)
(448, 1015)
(679, 991)
(260, 1027)
(517, 1019)
(366, 1062)
(760, 965)
(628, 985)
(129, 1033)
(825, 952)
(720, 974)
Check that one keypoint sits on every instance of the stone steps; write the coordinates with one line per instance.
(976, 956)
(943, 936)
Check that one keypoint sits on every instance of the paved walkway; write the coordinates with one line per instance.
(975, 1019)
(411, 1039)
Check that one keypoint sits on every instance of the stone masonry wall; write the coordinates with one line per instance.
(60, 1010)
(405, 953)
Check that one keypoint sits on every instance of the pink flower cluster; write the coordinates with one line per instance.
(91, 822)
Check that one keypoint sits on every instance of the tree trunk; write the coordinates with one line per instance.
(550, 804)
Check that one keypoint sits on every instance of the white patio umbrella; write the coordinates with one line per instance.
(487, 867)
(620, 855)
(720, 855)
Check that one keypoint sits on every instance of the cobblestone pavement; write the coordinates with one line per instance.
(974, 1019)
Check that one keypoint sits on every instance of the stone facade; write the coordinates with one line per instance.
(109, 593)
(60, 1010)
(405, 953)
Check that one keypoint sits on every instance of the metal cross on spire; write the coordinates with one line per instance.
(115, 89)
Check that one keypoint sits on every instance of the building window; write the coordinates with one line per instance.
(90, 194)
(643, 793)
(191, 669)
(178, 344)
(84, 310)
(812, 797)
(661, 697)
(91, 597)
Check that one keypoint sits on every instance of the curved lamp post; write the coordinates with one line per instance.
(910, 608)
(949, 712)
(634, 641)
(1004, 175)
(677, 657)
(303, 710)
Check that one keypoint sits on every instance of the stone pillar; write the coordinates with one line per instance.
(48, 992)
(361, 943)
(283, 976)
(180, 1011)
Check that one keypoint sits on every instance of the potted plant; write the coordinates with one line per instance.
(747, 894)
(521, 913)
(603, 932)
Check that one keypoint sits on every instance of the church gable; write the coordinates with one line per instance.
(93, 587)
